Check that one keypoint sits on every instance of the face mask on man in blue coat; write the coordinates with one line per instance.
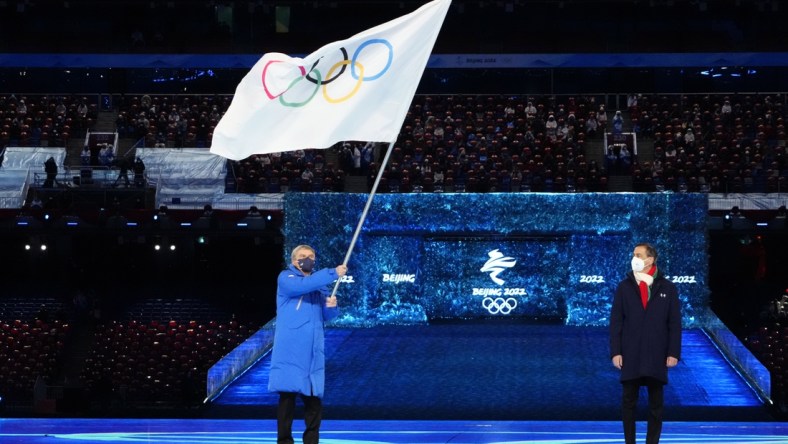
(306, 264)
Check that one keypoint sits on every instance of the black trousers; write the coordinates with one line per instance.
(629, 406)
(313, 414)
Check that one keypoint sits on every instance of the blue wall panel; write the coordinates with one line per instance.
(423, 257)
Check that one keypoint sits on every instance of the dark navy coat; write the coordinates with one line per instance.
(298, 356)
(645, 337)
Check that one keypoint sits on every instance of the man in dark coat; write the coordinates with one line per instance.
(303, 304)
(50, 168)
(139, 173)
(645, 338)
(123, 165)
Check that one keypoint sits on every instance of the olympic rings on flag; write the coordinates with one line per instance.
(299, 104)
(334, 72)
(499, 305)
(330, 79)
(382, 71)
(265, 86)
(355, 88)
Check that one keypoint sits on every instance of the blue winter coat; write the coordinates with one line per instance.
(645, 337)
(298, 356)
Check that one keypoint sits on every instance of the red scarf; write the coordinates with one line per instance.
(644, 287)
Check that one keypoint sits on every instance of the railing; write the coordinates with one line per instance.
(96, 176)
(748, 366)
(239, 360)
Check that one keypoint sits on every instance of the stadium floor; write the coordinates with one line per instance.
(168, 431)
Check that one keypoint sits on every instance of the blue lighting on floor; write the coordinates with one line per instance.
(467, 371)
(86, 431)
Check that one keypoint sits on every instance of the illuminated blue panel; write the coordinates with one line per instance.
(518, 277)
(404, 265)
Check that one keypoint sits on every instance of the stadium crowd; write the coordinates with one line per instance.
(476, 143)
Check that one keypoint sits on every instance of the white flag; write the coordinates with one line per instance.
(354, 89)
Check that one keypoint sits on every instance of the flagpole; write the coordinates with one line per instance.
(364, 213)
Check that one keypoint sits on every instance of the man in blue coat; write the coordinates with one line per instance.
(303, 304)
(645, 338)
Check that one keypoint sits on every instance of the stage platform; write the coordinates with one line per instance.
(497, 371)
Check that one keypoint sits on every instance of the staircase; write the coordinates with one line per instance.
(356, 184)
(619, 184)
(353, 184)
(105, 123)
(595, 150)
(77, 351)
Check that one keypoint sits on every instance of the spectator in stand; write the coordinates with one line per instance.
(85, 155)
(82, 109)
(601, 117)
(60, 109)
(307, 176)
(356, 160)
(632, 100)
(21, 109)
(551, 127)
(626, 158)
(137, 39)
(367, 154)
(530, 111)
(591, 124)
(689, 139)
(618, 123)
(105, 155)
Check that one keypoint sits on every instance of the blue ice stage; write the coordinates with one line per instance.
(497, 372)
(476, 382)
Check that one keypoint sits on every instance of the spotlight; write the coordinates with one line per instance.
(71, 221)
(172, 247)
(253, 220)
(25, 221)
(27, 247)
(157, 247)
(43, 247)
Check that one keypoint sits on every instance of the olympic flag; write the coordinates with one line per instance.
(354, 89)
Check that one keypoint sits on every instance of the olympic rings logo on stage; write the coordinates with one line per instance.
(318, 79)
(499, 305)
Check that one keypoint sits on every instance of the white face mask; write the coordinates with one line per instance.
(637, 264)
